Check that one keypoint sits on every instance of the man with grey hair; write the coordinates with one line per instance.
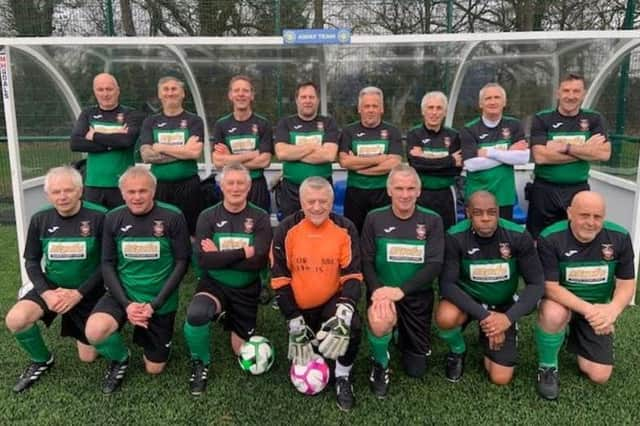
(232, 246)
(317, 279)
(491, 145)
(172, 142)
(369, 149)
(402, 251)
(62, 259)
(107, 132)
(145, 253)
(434, 151)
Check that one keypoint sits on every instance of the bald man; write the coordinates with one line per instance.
(107, 132)
(589, 279)
(485, 256)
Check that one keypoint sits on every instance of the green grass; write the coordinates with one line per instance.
(69, 393)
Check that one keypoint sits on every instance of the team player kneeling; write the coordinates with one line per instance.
(582, 276)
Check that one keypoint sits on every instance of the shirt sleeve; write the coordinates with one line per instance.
(539, 134)
(548, 259)
(197, 128)
(146, 133)
(330, 131)
(350, 263)
(468, 144)
(625, 269)
(266, 140)
(395, 142)
(33, 257)
(344, 140)
(282, 132)
(368, 249)
(531, 271)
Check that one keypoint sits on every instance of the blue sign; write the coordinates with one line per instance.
(317, 36)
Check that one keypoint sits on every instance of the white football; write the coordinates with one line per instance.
(256, 355)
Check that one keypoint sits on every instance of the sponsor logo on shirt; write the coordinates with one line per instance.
(483, 136)
(427, 140)
(161, 124)
(126, 228)
(556, 125)
(221, 224)
(232, 130)
(389, 229)
(97, 116)
(587, 274)
(405, 253)
(140, 250)
(232, 243)
(360, 134)
(490, 273)
(297, 126)
(53, 229)
(63, 250)
(570, 253)
(369, 150)
(473, 250)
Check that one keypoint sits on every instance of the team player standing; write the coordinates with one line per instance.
(317, 271)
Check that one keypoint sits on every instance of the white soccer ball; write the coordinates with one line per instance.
(256, 355)
(312, 378)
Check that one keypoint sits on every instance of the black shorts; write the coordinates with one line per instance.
(154, 340)
(584, 342)
(107, 197)
(316, 316)
(507, 356)
(548, 203)
(414, 322)
(74, 321)
(239, 305)
(288, 196)
(358, 202)
(441, 201)
(184, 194)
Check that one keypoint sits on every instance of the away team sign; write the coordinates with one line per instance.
(317, 36)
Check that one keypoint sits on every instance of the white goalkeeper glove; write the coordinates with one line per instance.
(300, 349)
(335, 332)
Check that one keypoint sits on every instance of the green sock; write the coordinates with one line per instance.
(197, 270)
(548, 345)
(198, 341)
(113, 348)
(31, 341)
(454, 339)
(379, 347)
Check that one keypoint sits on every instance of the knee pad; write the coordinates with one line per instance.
(415, 365)
(201, 310)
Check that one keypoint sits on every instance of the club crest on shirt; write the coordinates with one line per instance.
(183, 124)
(120, 117)
(254, 129)
(505, 250)
(85, 228)
(584, 124)
(158, 228)
(505, 132)
(384, 134)
(320, 125)
(447, 141)
(607, 251)
(421, 231)
(248, 225)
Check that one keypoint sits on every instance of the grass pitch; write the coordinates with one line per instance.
(70, 392)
